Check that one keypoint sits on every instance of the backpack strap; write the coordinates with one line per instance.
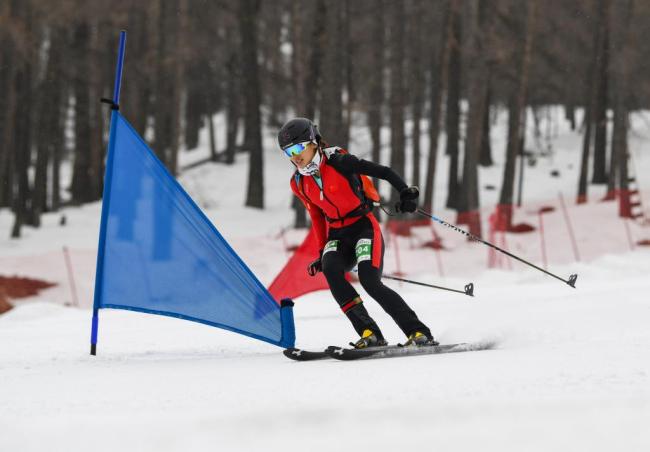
(360, 184)
(329, 152)
(363, 187)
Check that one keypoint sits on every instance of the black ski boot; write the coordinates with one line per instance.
(419, 339)
(369, 339)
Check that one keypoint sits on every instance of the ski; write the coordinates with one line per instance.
(391, 351)
(298, 354)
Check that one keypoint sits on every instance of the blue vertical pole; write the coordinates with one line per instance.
(288, 338)
(118, 70)
(108, 176)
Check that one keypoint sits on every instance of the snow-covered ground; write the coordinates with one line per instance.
(571, 370)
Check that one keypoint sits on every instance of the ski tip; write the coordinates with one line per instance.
(288, 352)
(299, 354)
(293, 353)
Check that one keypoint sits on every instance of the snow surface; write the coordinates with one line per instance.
(571, 370)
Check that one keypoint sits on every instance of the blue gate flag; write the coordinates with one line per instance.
(159, 254)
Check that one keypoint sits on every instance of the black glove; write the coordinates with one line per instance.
(314, 267)
(408, 200)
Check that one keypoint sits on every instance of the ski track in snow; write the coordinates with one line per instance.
(571, 370)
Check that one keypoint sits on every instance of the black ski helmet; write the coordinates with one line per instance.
(298, 130)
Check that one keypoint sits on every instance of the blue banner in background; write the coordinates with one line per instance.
(160, 254)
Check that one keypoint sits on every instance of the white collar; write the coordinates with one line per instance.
(312, 167)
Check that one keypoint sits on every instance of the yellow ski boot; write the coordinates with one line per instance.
(369, 339)
(418, 339)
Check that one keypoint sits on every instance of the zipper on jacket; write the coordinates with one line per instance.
(323, 195)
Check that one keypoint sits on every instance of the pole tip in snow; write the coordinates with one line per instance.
(93, 349)
(572, 280)
(469, 289)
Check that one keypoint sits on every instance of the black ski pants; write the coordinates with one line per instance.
(348, 246)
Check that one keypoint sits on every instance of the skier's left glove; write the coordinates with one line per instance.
(408, 200)
(315, 267)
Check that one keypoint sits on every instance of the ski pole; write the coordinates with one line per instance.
(572, 278)
(468, 290)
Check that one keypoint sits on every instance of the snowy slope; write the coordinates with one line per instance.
(572, 370)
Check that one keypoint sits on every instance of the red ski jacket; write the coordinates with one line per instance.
(341, 201)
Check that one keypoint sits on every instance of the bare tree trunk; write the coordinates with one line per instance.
(48, 133)
(349, 50)
(299, 64)
(619, 149)
(516, 118)
(376, 80)
(252, 98)
(599, 175)
(177, 72)
(80, 188)
(166, 109)
(397, 98)
(272, 80)
(39, 200)
(203, 75)
(23, 149)
(440, 67)
(232, 106)
(299, 56)
(3, 85)
(485, 159)
(584, 162)
(512, 151)
(57, 140)
(195, 103)
(570, 115)
(58, 144)
(416, 81)
(8, 105)
(166, 93)
(23, 131)
(331, 104)
(590, 109)
(213, 138)
(481, 24)
(618, 177)
(314, 82)
(304, 45)
(136, 92)
(452, 118)
(96, 111)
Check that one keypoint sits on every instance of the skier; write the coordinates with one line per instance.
(330, 184)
